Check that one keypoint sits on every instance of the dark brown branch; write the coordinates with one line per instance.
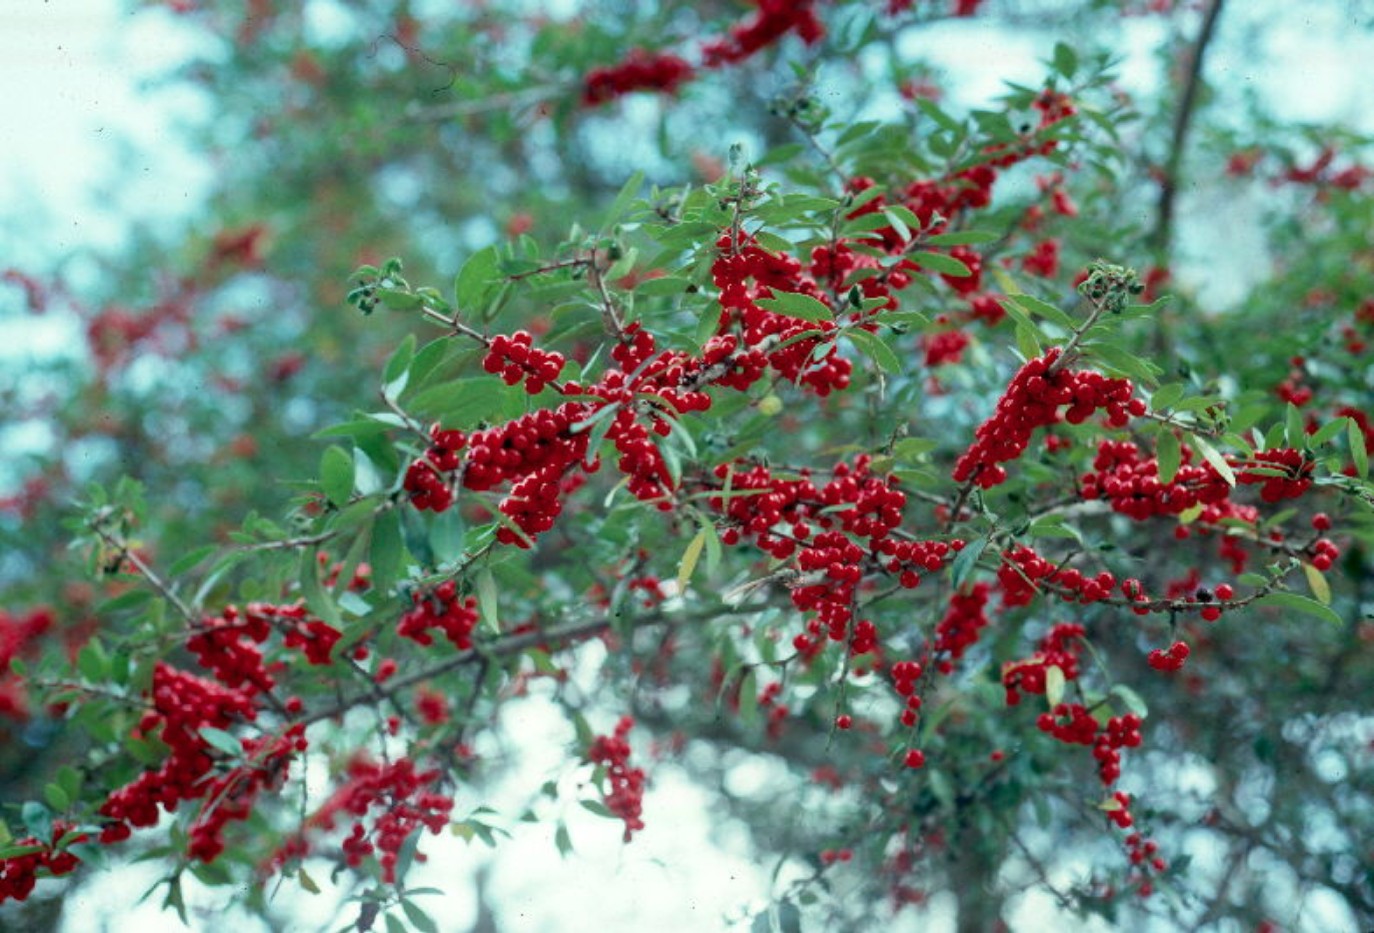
(1162, 234)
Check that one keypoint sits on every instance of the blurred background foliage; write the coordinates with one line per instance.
(343, 134)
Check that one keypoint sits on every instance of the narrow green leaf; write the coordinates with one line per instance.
(418, 918)
(1316, 582)
(1358, 455)
(57, 798)
(965, 561)
(399, 362)
(1026, 342)
(189, 560)
(312, 588)
(1054, 685)
(486, 599)
(1300, 604)
(475, 279)
(336, 475)
(1044, 309)
(1294, 430)
(962, 238)
(1166, 395)
(1169, 453)
(794, 304)
(945, 265)
(875, 349)
(628, 192)
(1217, 461)
(222, 741)
(689, 560)
(386, 551)
(1134, 701)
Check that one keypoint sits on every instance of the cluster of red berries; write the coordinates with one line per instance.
(1024, 572)
(1121, 732)
(1170, 659)
(183, 704)
(945, 347)
(626, 795)
(640, 71)
(905, 557)
(1059, 648)
(19, 636)
(774, 19)
(1130, 483)
(440, 609)
(1070, 723)
(963, 621)
(399, 791)
(515, 358)
(777, 712)
(231, 796)
(1144, 857)
(1043, 260)
(737, 263)
(1293, 466)
(1121, 813)
(1032, 400)
(905, 676)
(19, 873)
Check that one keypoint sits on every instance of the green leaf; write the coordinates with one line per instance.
(222, 741)
(1026, 342)
(1054, 685)
(459, 403)
(875, 349)
(486, 599)
(944, 120)
(1044, 309)
(1300, 604)
(397, 365)
(93, 662)
(628, 192)
(965, 561)
(1124, 362)
(312, 588)
(664, 285)
(1358, 454)
(962, 238)
(57, 798)
(1217, 461)
(396, 299)
(475, 279)
(306, 881)
(1169, 453)
(1316, 582)
(418, 918)
(793, 304)
(189, 560)
(1134, 701)
(562, 840)
(1166, 395)
(749, 699)
(1325, 433)
(1294, 430)
(945, 265)
(386, 550)
(336, 475)
(689, 560)
(1065, 59)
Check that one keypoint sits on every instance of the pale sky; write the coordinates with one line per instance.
(75, 117)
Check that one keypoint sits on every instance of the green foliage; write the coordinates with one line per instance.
(275, 434)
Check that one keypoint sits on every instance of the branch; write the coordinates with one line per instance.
(1162, 234)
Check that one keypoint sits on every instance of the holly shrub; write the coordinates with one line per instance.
(706, 371)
